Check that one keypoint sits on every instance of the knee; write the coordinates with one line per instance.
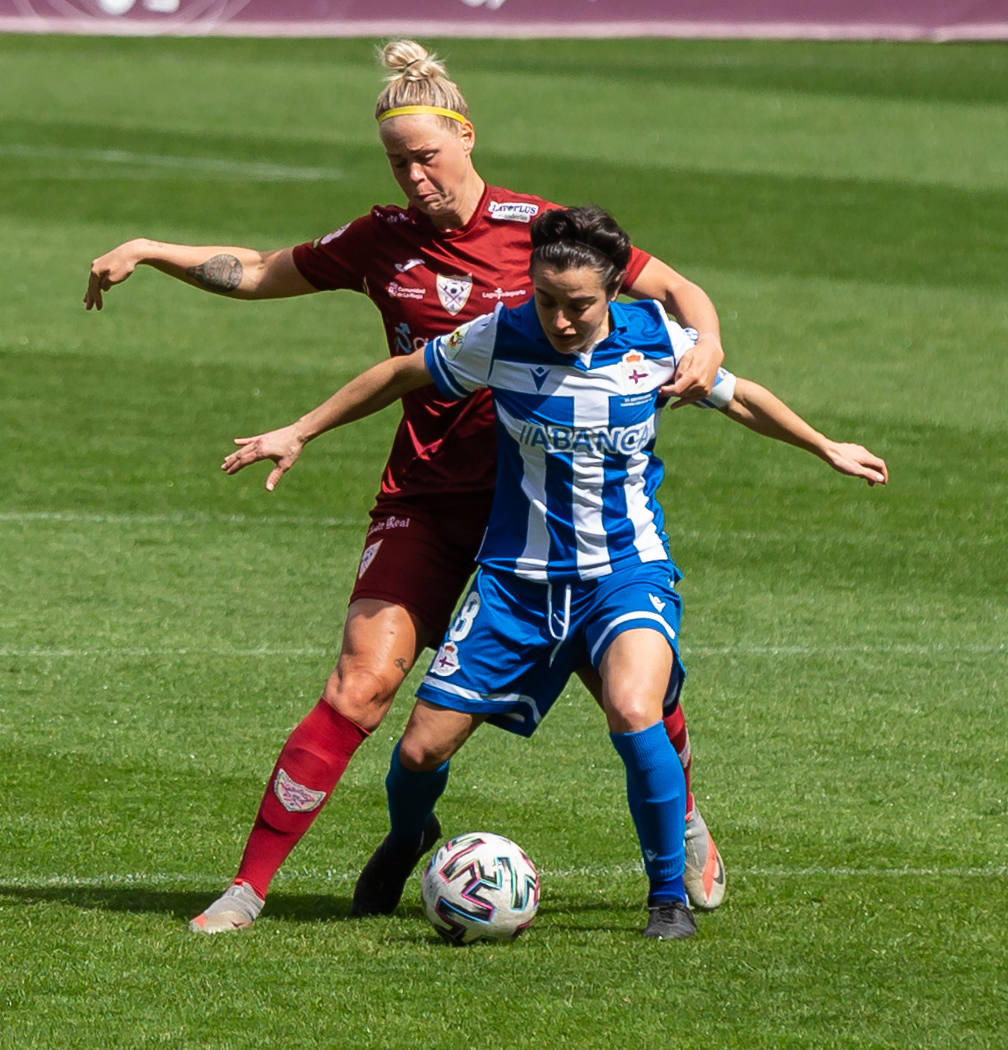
(631, 714)
(418, 754)
(360, 694)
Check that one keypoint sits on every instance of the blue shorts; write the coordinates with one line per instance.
(514, 644)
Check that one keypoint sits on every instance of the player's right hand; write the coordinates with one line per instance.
(111, 268)
(283, 446)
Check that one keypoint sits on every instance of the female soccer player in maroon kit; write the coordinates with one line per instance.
(459, 247)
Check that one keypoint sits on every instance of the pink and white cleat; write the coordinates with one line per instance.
(704, 874)
(236, 909)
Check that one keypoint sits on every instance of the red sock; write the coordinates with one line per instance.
(675, 728)
(309, 767)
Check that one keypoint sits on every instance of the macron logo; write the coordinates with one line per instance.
(539, 375)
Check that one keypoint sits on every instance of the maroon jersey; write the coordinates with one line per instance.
(426, 282)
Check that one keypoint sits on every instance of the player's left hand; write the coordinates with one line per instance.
(283, 446)
(696, 374)
(856, 461)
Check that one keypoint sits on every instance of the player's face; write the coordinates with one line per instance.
(572, 306)
(431, 163)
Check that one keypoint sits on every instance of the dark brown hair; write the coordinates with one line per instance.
(567, 238)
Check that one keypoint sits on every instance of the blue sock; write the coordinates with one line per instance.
(656, 793)
(411, 798)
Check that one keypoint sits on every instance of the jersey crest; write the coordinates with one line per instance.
(634, 368)
(454, 292)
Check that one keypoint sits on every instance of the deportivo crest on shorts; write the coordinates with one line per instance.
(367, 557)
(454, 291)
(295, 797)
(446, 662)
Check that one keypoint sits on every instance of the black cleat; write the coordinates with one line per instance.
(381, 883)
(670, 921)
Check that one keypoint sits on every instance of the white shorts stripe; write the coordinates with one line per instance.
(604, 639)
(433, 681)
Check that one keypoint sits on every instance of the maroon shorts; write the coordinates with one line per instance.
(421, 556)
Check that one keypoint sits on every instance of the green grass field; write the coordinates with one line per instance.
(163, 626)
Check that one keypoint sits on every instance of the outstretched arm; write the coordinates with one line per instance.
(371, 391)
(758, 409)
(240, 273)
(691, 306)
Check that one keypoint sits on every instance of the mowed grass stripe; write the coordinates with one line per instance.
(306, 877)
(88, 163)
(836, 227)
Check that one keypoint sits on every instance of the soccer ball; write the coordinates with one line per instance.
(480, 886)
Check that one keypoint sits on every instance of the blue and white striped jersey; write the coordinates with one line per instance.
(577, 477)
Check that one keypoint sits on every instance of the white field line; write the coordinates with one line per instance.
(267, 651)
(144, 653)
(141, 879)
(182, 518)
(155, 162)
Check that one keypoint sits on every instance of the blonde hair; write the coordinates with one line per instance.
(418, 78)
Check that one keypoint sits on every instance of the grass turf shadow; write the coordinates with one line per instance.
(177, 904)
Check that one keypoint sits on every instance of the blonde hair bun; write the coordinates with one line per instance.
(417, 78)
(411, 61)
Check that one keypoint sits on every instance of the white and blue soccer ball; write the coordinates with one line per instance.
(480, 886)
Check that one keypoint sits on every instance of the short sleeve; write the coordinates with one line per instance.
(338, 259)
(460, 361)
(638, 260)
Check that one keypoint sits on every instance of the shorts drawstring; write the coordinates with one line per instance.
(560, 638)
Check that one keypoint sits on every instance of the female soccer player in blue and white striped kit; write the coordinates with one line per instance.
(575, 570)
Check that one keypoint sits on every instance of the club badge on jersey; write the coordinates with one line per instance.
(635, 369)
(454, 291)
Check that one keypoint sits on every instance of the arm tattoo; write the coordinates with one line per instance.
(402, 665)
(222, 273)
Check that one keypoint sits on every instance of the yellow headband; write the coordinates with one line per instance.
(409, 111)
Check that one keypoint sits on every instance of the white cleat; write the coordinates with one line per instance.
(704, 874)
(236, 909)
